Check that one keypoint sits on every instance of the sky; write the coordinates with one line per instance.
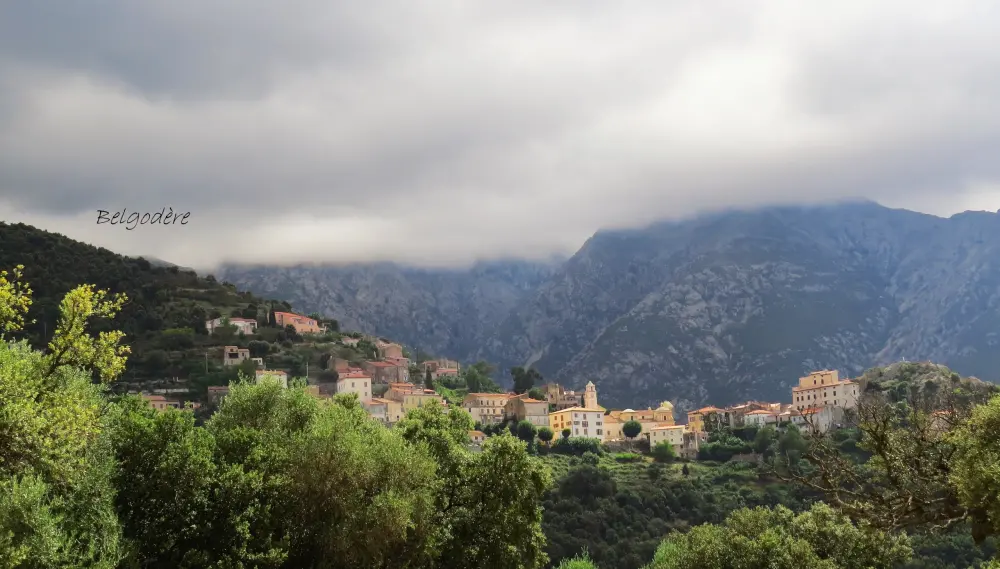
(439, 133)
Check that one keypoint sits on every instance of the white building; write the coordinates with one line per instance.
(760, 418)
(824, 388)
(673, 434)
(245, 325)
(581, 422)
(355, 382)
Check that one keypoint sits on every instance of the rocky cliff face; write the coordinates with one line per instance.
(715, 309)
(443, 312)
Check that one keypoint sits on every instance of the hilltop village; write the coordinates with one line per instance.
(390, 384)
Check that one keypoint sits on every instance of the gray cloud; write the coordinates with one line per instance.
(439, 133)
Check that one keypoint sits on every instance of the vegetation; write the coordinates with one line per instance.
(277, 478)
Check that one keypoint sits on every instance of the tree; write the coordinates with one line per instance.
(779, 539)
(428, 379)
(664, 452)
(524, 379)
(764, 439)
(536, 393)
(55, 462)
(526, 431)
(631, 429)
(566, 433)
(545, 435)
(975, 467)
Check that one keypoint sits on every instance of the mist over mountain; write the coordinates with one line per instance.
(718, 308)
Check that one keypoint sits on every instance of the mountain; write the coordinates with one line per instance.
(719, 308)
(442, 312)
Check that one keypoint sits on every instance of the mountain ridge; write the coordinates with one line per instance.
(732, 305)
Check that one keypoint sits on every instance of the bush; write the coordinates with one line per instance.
(628, 457)
(664, 452)
(576, 446)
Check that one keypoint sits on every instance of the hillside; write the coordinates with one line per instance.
(438, 311)
(717, 309)
(164, 319)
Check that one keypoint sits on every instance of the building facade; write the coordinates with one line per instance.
(302, 324)
(246, 326)
(354, 382)
(580, 421)
(234, 356)
(673, 434)
(486, 408)
(824, 388)
(523, 408)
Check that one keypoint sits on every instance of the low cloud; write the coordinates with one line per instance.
(440, 133)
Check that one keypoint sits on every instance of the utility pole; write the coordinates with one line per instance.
(206, 363)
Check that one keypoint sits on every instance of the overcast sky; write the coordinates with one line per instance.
(441, 132)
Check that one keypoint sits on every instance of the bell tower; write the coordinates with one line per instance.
(590, 396)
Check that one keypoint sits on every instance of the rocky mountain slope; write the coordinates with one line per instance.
(443, 312)
(715, 309)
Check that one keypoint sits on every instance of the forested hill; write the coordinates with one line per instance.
(160, 299)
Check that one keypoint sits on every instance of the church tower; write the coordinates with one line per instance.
(590, 396)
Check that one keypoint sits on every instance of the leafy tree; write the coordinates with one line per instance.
(664, 452)
(764, 439)
(975, 467)
(526, 431)
(580, 562)
(525, 379)
(494, 522)
(536, 393)
(545, 435)
(631, 429)
(566, 433)
(759, 537)
(55, 464)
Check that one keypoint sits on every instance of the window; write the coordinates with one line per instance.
(599, 431)
(576, 422)
(352, 385)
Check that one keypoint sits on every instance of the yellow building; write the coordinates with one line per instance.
(486, 408)
(697, 419)
(612, 428)
(386, 410)
(824, 388)
(580, 421)
(419, 399)
(673, 434)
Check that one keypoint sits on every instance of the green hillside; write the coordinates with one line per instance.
(164, 318)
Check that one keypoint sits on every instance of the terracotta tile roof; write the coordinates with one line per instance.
(708, 410)
(760, 412)
(493, 395)
(811, 410)
(353, 375)
(477, 434)
(577, 409)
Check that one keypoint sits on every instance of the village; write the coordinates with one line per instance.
(386, 390)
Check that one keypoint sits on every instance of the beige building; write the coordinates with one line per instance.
(612, 428)
(590, 396)
(559, 398)
(217, 392)
(820, 419)
(824, 388)
(760, 418)
(486, 408)
(411, 396)
(476, 438)
(673, 434)
(523, 408)
(234, 356)
(389, 349)
(697, 420)
(280, 376)
(354, 382)
(580, 421)
(301, 324)
(387, 372)
(385, 410)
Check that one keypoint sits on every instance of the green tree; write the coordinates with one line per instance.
(975, 467)
(817, 539)
(664, 452)
(566, 433)
(524, 379)
(631, 429)
(764, 439)
(428, 379)
(536, 393)
(526, 431)
(545, 435)
(55, 462)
